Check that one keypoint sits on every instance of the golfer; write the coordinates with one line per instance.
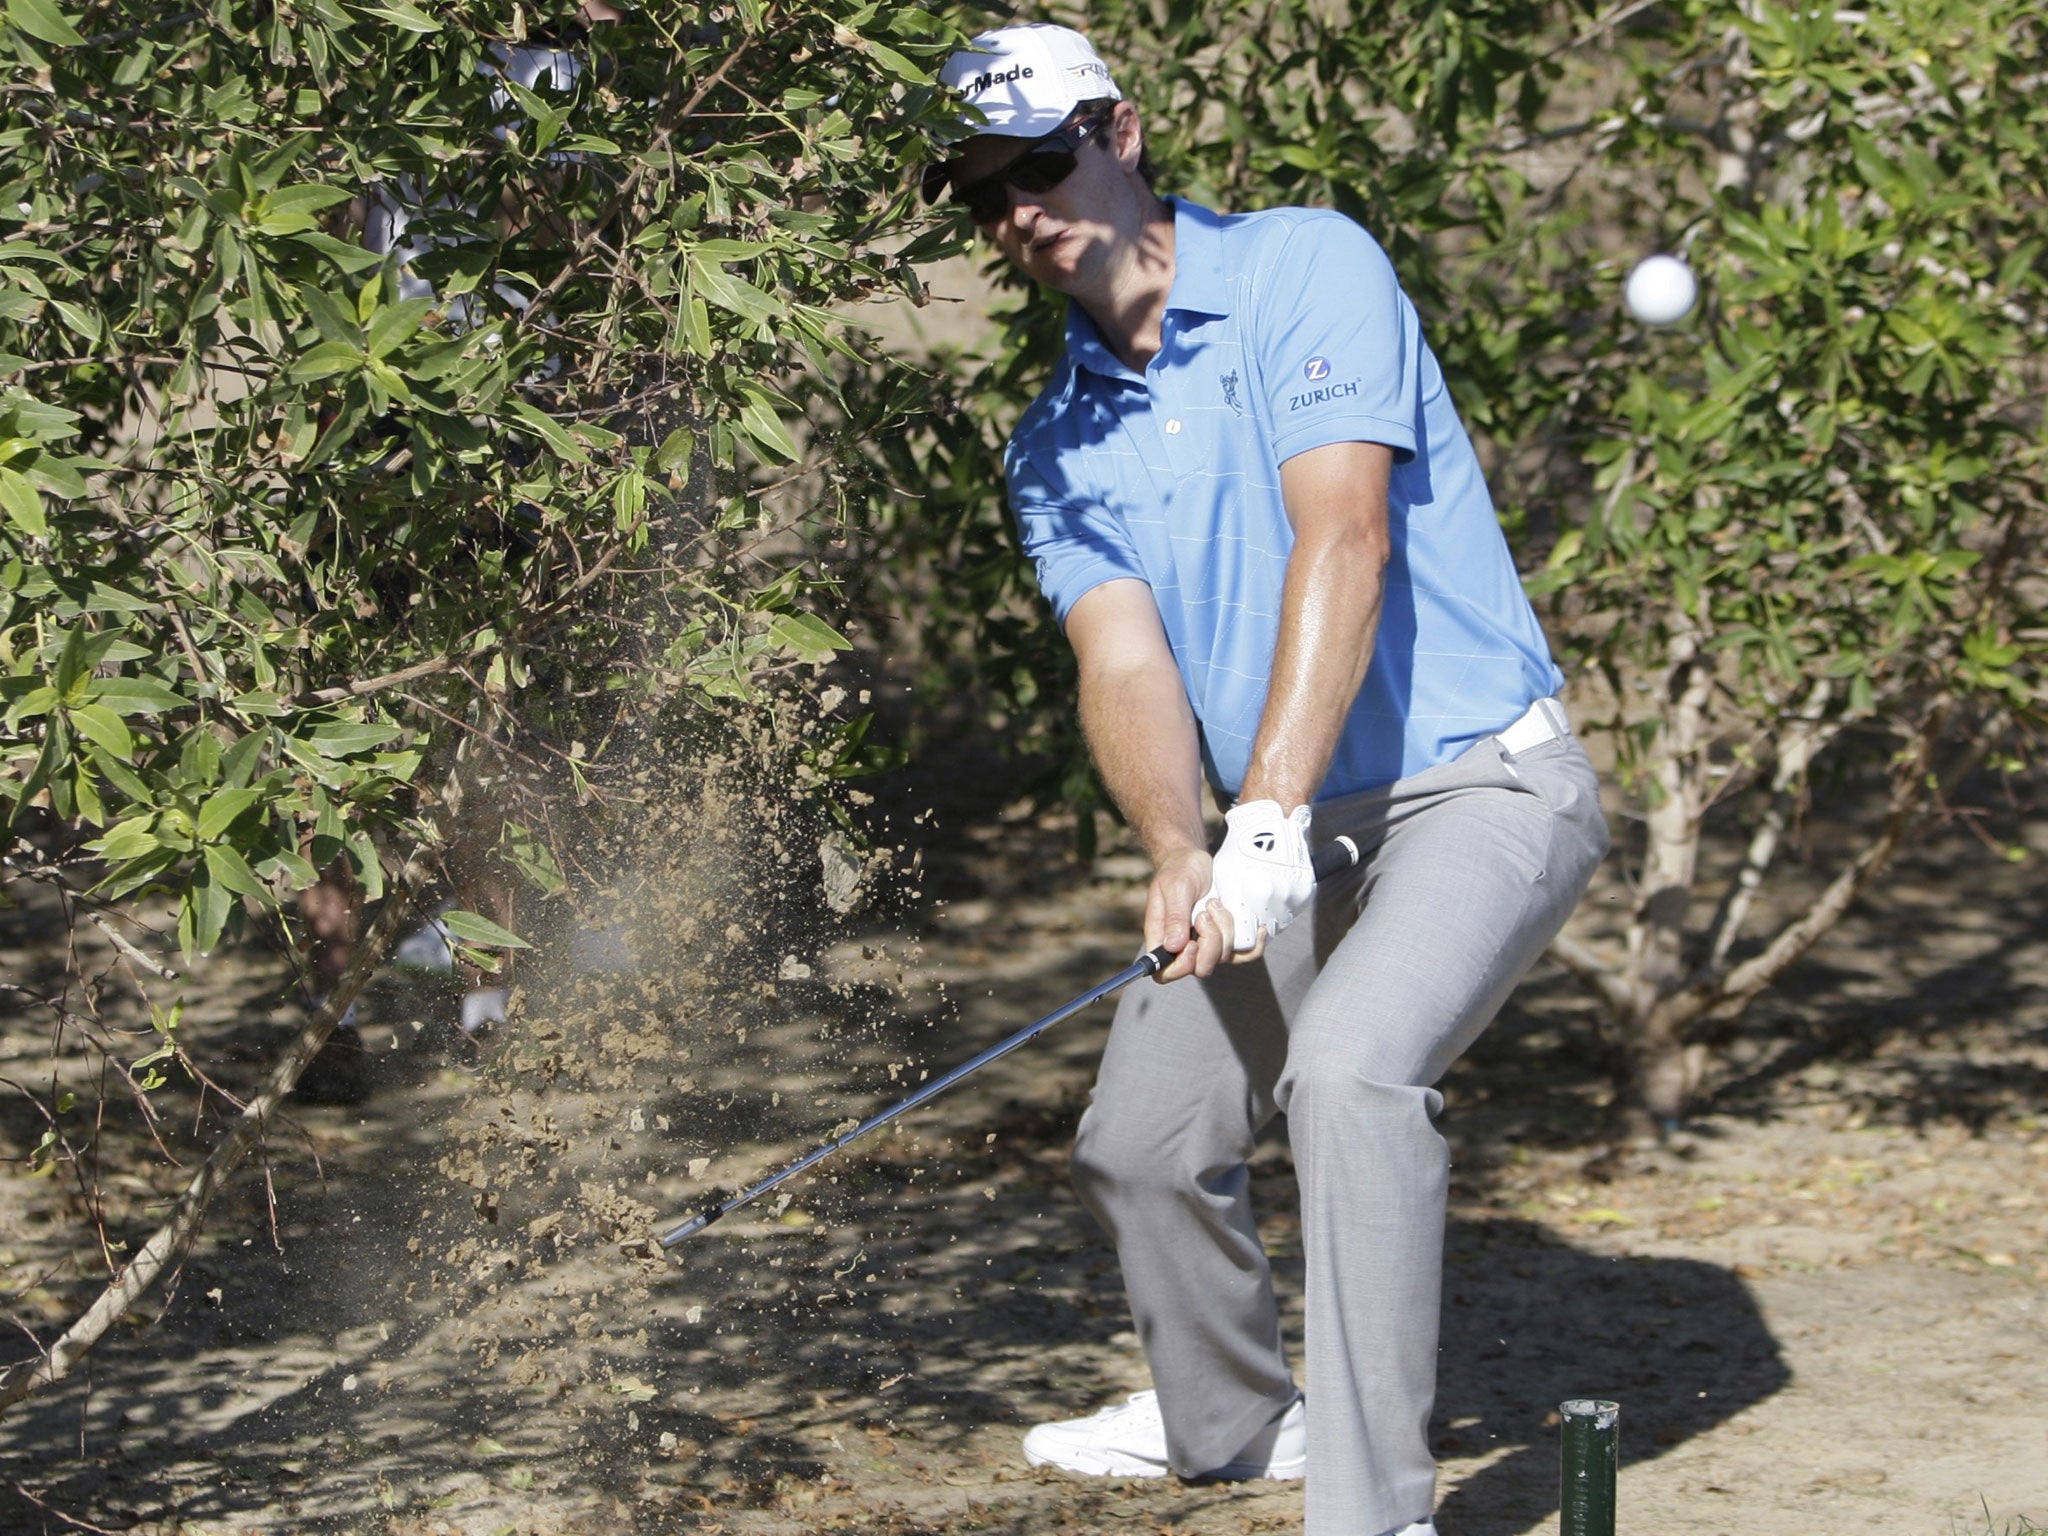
(1255, 513)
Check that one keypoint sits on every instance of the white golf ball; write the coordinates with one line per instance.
(1660, 290)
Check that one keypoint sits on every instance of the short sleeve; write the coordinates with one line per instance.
(1075, 547)
(1339, 343)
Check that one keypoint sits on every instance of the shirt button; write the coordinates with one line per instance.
(1173, 426)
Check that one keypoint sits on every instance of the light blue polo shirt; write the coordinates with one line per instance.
(1284, 331)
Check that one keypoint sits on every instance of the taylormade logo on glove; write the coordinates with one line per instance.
(1262, 874)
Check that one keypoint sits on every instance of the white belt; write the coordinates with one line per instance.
(1545, 721)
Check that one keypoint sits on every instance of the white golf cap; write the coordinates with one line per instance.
(1027, 80)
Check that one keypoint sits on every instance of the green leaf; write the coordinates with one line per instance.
(733, 293)
(349, 258)
(325, 361)
(121, 776)
(199, 757)
(549, 429)
(232, 873)
(760, 422)
(896, 64)
(238, 763)
(305, 197)
(97, 723)
(534, 859)
(260, 702)
(29, 703)
(132, 875)
(673, 456)
(23, 504)
(474, 929)
(629, 498)
(343, 738)
(42, 21)
(459, 269)
(393, 327)
(55, 748)
(101, 598)
(729, 250)
(287, 867)
(126, 840)
(334, 320)
(402, 14)
(80, 321)
(135, 696)
(221, 809)
(75, 661)
(203, 914)
(362, 854)
(807, 638)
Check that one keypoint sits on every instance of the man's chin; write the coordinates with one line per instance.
(1057, 263)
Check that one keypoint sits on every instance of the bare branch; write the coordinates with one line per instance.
(50, 1509)
(1796, 747)
(414, 673)
(1593, 971)
(1601, 25)
(1656, 933)
(1722, 991)
(1751, 977)
(154, 967)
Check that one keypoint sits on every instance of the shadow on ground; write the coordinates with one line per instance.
(1530, 1322)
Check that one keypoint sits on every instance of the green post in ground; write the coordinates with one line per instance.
(1592, 1438)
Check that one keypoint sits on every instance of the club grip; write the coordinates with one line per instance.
(1333, 858)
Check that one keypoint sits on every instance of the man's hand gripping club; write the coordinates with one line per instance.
(1228, 906)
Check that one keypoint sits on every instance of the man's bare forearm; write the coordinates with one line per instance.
(1141, 733)
(1141, 730)
(1329, 618)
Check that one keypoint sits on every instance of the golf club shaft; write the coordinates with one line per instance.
(1143, 966)
(1334, 856)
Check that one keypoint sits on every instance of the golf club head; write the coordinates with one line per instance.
(713, 1208)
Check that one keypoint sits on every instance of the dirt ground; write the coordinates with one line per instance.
(1822, 1306)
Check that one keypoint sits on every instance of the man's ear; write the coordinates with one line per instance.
(1126, 135)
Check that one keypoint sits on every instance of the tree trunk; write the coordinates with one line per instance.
(1653, 1003)
(1653, 1049)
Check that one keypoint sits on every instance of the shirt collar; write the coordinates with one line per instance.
(1199, 284)
(1199, 288)
(1087, 349)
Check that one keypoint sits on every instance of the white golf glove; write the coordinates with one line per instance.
(1262, 875)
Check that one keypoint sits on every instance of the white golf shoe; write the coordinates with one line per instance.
(1128, 1439)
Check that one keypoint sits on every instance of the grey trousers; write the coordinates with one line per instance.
(1356, 1009)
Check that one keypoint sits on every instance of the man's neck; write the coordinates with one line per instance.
(1129, 303)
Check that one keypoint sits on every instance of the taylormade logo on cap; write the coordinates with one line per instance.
(981, 83)
(1026, 81)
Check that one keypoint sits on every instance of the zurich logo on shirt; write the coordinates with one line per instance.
(1316, 368)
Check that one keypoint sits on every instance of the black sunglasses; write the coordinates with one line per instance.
(1048, 162)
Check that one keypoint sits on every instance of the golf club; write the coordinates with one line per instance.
(1332, 858)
